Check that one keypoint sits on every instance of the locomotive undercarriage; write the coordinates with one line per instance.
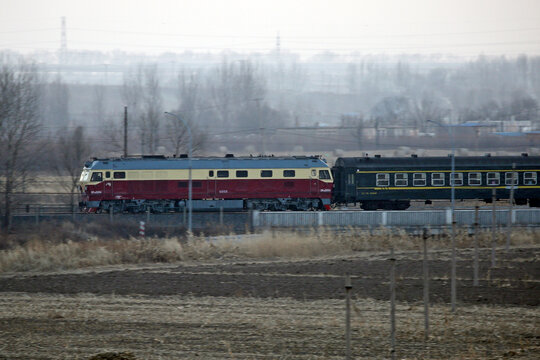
(165, 206)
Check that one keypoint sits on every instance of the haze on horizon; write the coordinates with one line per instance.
(461, 28)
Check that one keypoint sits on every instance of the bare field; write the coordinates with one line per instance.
(278, 309)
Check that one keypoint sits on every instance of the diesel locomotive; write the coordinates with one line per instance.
(161, 184)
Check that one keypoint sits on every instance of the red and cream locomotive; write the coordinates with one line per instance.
(161, 184)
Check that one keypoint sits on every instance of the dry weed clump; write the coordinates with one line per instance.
(47, 254)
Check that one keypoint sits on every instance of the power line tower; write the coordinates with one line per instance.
(278, 45)
(63, 41)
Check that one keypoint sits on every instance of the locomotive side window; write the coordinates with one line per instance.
(401, 179)
(350, 179)
(493, 178)
(457, 180)
(107, 174)
(97, 176)
(383, 179)
(419, 179)
(211, 173)
(119, 175)
(475, 179)
(241, 173)
(223, 173)
(437, 179)
(529, 178)
(289, 173)
(266, 173)
(324, 175)
(510, 177)
(313, 173)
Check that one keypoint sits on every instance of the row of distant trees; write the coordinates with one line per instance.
(241, 96)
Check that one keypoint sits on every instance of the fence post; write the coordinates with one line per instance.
(148, 216)
(384, 218)
(348, 288)
(111, 214)
(185, 216)
(426, 287)
(255, 219)
(320, 221)
(475, 263)
(38, 210)
(392, 305)
(221, 216)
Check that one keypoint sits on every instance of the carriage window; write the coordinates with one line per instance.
(324, 175)
(119, 175)
(383, 179)
(313, 173)
(223, 173)
(419, 179)
(107, 174)
(211, 173)
(350, 179)
(241, 173)
(529, 178)
(493, 178)
(289, 173)
(401, 179)
(508, 178)
(437, 179)
(97, 176)
(457, 180)
(266, 173)
(475, 179)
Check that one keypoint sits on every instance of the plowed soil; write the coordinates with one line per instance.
(275, 309)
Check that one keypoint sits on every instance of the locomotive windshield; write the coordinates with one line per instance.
(84, 175)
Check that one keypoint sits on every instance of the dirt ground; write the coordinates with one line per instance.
(275, 309)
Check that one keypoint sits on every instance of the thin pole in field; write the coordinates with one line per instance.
(392, 305)
(475, 263)
(348, 288)
(426, 288)
(493, 225)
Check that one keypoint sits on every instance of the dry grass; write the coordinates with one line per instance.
(68, 248)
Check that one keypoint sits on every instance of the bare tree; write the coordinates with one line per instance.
(178, 135)
(19, 126)
(152, 110)
(57, 102)
(73, 148)
(189, 111)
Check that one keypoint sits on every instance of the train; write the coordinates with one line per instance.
(161, 184)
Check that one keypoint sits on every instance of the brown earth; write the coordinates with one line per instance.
(274, 309)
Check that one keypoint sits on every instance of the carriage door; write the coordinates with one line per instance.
(350, 181)
(314, 182)
(211, 187)
(107, 185)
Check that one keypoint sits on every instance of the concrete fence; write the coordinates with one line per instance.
(433, 218)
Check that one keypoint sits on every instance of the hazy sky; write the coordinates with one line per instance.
(461, 27)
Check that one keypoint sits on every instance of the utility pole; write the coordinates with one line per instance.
(63, 41)
(125, 132)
